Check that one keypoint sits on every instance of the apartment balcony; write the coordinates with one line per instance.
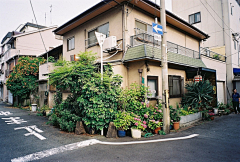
(10, 53)
(208, 53)
(144, 46)
(45, 69)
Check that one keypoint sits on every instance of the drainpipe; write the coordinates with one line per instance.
(123, 27)
(223, 22)
(140, 76)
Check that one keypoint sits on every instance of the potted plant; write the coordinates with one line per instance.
(155, 125)
(174, 115)
(45, 110)
(122, 122)
(137, 126)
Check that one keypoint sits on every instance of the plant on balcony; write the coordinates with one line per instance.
(199, 94)
(93, 100)
(216, 56)
(22, 81)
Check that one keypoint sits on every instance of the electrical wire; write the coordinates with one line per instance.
(219, 16)
(38, 26)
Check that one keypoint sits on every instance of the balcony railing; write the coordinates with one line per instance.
(10, 53)
(148, 38)
(211, 54)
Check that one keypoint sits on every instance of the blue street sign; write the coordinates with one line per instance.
(157, 28)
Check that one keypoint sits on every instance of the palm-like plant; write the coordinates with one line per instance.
(199, 94)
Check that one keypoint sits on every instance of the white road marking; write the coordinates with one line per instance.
(5, 113)
(31, 132)
(14, 120)
(73, 146)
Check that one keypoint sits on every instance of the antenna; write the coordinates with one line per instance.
(51, 14)
(45, 18)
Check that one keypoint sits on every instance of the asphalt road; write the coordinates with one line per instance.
(218, 140)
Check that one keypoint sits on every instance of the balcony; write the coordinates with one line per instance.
(208, 53)
(10, 53)
(148, 38)
(143, 46)
(45, 69)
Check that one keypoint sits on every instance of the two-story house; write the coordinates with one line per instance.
(26, 42)
(221, 20)
(131, 48)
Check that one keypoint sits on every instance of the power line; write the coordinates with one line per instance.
(213, 17)
(38, 26)
(219, 16)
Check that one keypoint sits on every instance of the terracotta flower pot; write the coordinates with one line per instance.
(156, 130)
(212, 117)
(176, 125)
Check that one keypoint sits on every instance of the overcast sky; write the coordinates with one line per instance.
(16, 12)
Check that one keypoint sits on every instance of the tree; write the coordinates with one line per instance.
(22, 81)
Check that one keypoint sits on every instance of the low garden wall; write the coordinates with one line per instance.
(190, 119)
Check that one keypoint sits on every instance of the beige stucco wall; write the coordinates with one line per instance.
(113, 17)
(155, 70)
(173, 35)
(221, 50)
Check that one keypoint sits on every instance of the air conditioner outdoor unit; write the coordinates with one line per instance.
(110, 43)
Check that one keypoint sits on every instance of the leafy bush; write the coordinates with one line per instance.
(199, 94)
(51, 59)
(92, 99)
(123, 120)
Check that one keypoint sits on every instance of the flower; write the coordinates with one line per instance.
(154, 113)
(145, 116)
(147, 105)
(171, 120)
(135, 118)
(156, 122)
(156, 107)
(142, 103)
(144, 126)
(136, 124)
(160, 111)
(144, 122)
(138, 119)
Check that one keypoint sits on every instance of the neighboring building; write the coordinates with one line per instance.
(28, 42)
(130, 46)
(46, 92)
(221, 20)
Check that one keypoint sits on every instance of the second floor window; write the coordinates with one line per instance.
(142, 27)
(92, 40)
(195, 18)
(70, 44)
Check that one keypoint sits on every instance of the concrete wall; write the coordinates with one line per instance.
(219, 24)
(31, 44)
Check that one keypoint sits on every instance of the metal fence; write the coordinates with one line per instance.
(143, 37)
(211, 54)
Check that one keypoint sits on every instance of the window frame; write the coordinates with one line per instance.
(195, 22)
(180, 86)
(73, 37)
(96, 29)
(156, 86)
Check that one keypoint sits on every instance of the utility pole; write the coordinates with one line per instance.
(166, 112)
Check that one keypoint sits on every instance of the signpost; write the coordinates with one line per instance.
(101, 38)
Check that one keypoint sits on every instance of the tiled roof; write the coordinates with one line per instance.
(148, 52)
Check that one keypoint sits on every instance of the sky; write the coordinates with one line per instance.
(16, 12)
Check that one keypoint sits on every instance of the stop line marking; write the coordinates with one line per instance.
(73, 146)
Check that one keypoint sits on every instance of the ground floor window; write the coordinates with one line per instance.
(152, 82)
(176, 86)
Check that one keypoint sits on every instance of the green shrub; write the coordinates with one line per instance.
(199, 94)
